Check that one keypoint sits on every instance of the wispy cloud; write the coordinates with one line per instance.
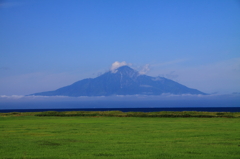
(145, 69)
(7, 4)
(35, 82)
(221, 77)
(169, 62)
(12, 96)
(4, 68)
(171, 75)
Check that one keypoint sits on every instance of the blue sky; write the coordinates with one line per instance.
(45, 45)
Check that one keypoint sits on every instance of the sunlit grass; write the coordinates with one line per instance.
(118, 137)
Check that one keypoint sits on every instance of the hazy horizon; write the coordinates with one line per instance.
(119, 101)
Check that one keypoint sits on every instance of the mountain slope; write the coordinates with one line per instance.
(122, 81)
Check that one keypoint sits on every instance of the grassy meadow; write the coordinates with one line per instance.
(38, 136)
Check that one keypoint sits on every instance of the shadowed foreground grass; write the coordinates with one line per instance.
(27, 136)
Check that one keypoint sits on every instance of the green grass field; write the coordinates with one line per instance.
(27, 136)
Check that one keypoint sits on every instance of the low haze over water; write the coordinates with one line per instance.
(164, 101)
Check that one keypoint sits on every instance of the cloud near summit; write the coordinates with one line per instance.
(117, 64)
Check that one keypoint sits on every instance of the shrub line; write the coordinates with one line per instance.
(168, 114)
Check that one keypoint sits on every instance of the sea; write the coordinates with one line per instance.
(210, 103)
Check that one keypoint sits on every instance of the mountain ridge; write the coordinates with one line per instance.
(121, 81)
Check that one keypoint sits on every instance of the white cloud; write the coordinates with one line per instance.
(117, 64)
(145, 69)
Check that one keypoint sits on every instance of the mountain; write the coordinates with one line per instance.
(122, 81)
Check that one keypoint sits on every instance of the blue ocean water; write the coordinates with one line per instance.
(204, 109)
